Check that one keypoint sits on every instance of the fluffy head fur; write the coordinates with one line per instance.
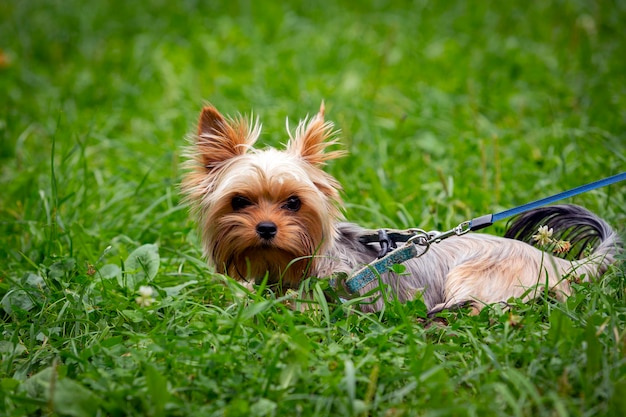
(275, 213)
(263, 211)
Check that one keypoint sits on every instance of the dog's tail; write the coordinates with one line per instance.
(594, 244)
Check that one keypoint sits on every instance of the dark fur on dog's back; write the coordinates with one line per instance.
(583, 229)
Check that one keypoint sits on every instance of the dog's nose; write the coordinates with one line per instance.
(266, 230)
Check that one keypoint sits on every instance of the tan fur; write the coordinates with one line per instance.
(312, 140)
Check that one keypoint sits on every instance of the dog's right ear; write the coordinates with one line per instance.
(220, 139)
(312, 139)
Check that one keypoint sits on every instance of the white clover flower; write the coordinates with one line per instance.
(544, 235)
(145, 296)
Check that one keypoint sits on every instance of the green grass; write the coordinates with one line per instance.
(449, 110)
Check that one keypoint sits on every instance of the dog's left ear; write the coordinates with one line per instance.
(220, 139)
(312, 138)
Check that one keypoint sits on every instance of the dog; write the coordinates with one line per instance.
(276, 215)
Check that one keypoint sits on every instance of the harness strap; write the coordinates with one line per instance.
(375, 269)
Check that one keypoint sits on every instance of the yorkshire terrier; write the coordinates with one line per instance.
(276, 215)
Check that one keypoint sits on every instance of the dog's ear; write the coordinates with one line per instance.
(220, 139)
(312, 138)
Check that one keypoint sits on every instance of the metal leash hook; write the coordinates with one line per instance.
(462, 228)
(425, 239)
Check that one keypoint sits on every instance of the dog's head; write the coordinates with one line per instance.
(262, 210)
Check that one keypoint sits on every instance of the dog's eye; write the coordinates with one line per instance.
(238, 203)
(293, 203)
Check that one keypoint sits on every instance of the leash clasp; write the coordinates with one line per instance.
(463, 228)
(436, 236)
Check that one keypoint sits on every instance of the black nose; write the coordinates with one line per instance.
(266, 230)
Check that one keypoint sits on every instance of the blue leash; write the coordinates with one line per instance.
(414, 237)
(489, 219)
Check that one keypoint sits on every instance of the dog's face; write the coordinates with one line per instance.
(262, 211)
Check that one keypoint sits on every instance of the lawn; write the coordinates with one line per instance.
(449, 110)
